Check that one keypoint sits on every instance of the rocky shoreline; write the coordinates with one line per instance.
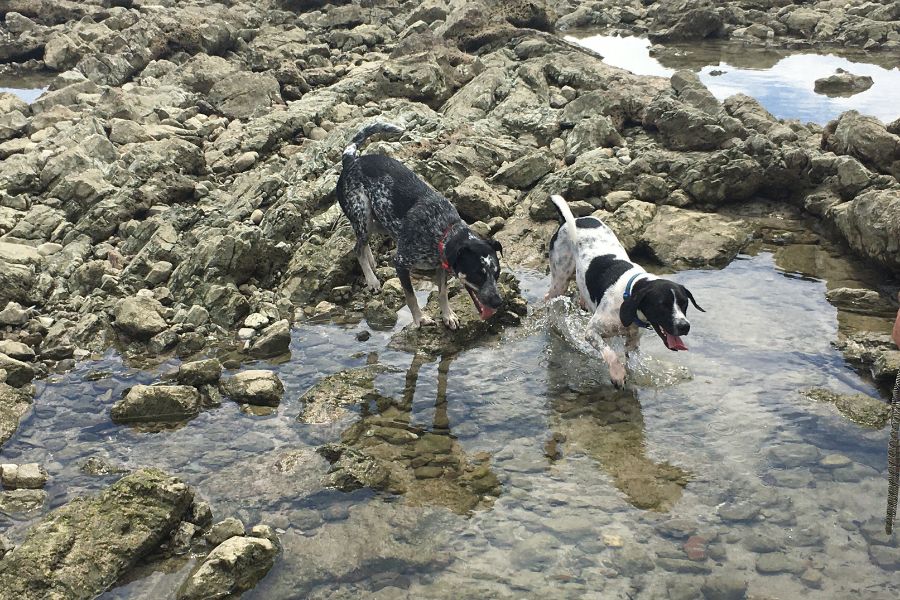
(172, 193)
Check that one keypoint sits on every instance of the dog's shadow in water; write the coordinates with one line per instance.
(591, 417)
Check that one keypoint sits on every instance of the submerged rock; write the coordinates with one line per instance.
(234, 566)
(332, 396)
(859, 408)
(157, 403)
(81, 549)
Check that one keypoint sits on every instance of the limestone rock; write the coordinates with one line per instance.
(82, 548)
(259, 387)
(843, 83)
(18, 373)
(236, 565)
(200, 372)
(139, 317)
(274, 340)
(157, 403)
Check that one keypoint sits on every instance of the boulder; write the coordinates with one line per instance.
(199, 372)
(477, 201)
(274, 340)
(81, 549)
(242, 94)
(524, 172)
(689, 239)
(16, 350)
(682, 126)
(259, 387)
(871, 224)
(860, 300)
(18, 373)
(139, 317)
(224, 530)
(843, 83)
(690, 23)
(30, 476)
(865, 138)
(594, 132)
(157, 403)
(234, 566)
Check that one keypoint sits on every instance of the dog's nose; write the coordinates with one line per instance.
(494, 300)
(682, 327)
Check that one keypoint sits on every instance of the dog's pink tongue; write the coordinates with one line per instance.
(487, 312)
(673, 342)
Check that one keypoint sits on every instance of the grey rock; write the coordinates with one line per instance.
(139, 317)
(234, 566)
(200, 372)
(259, 387)
(13, 314)
(843, 83)
(778, 562)
(225, 530)
(157, 403)
(274, 340)
(18, 373)
(724, 586)
(859, 408)
(524, 172)
(30, 476)
(243, 94)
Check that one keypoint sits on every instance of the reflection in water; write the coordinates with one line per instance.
(386, 450)
(607, 425)
(28, 86)
(782, 82)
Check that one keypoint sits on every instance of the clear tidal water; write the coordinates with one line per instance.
(782, 81)
(714, 449)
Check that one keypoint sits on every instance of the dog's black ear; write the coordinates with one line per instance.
(691, 298)
(629, 308)
(495, 245)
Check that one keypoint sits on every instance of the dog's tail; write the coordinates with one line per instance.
(566, 216)
(352, 149)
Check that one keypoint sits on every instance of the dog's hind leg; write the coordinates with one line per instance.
(367, 262)
(595, 338)
(447, 315)
(562, 268)
(419, 319)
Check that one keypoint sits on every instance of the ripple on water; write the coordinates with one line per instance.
(731, 455)
(781, 80)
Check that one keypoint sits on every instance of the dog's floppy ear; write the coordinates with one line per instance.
(691, 298)
(629, 308)
(495, 245)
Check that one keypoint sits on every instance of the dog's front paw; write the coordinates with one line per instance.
(373, 286)
(425, 321)
(617, 374)
(451, 320)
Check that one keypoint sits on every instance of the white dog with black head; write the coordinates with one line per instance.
(622, 296)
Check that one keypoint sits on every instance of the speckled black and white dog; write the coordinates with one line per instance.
(622, 296)
(379, 194)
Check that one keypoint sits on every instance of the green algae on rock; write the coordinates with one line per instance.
(81, 549)
(859, 408)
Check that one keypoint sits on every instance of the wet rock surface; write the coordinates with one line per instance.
(171, 195)
(81, 549)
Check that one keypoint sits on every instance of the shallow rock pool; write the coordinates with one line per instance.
(782, 80)
(710, 470)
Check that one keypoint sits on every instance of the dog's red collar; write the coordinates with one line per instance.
(444, 264)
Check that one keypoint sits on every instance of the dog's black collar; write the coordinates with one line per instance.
(627, 294)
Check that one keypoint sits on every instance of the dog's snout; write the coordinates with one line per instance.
(682, 327)
(493, 300)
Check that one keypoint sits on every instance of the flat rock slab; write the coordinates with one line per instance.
(81, 549)
(13, 404)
